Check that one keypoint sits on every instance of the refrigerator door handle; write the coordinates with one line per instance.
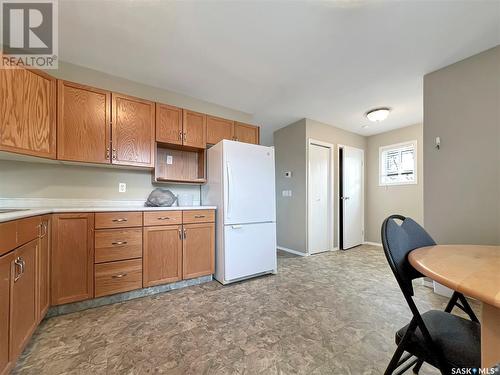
(229, 183)
(236, 226)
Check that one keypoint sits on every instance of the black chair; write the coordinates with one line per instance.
(439, 338)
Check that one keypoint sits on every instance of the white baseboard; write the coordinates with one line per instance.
(372, 243)
(291, 251)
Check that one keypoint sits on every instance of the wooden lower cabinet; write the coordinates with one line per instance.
(118, 277)
(43, 268)
(72, 258)
(162, 254)
(23, 314)
(198, 250)
(5, 282)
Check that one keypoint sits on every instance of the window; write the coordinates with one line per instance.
(398, 164)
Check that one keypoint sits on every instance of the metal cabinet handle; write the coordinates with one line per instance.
(180, 234)
(114, 154)
(180, 135)
(184, 136)
(119, 220)
(184, 234)
(119, 243)
(199, 216)
(119, 276)
(107, 152)
(19, 262)
(163, 218)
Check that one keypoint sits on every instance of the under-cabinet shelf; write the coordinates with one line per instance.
(179, 166)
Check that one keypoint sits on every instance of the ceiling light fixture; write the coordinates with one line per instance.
(378, 114)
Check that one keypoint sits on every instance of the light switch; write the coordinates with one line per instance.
(122, 187)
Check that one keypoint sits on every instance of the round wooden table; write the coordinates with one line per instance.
(474, 271)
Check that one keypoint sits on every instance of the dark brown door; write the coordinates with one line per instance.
(5, 282)
(168, 124)
(246, 133)
(83, 123)
(43, 262)
(219, 129)
(133, 131)
(162, 257)
(195, 129)
(27, 112)
(72, 258)
(23, 313)
(198, 250)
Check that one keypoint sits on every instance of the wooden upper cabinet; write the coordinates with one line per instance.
(168, 124)
(219, 129)
(246, 133)
(83, 123)
(6, 262)
(133, 131)
(28, 112)
(198, 251)
(23, 314)
(162, 257)
(195, 129)
(72, 258)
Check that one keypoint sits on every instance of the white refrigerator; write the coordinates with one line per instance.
(241, 184)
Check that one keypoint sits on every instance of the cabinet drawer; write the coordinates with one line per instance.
(118, 219)
(198, 216)
(8, 236)
(28, 229)
(117, 244)
(117, 277)
(162, 218)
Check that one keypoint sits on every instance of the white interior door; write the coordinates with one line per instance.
(352, 199)
(320, 203)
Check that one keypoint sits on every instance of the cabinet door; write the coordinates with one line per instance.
(43, 267)
(246, 133)
(133, 131)
(219, 129)
(27, 112)
(23, 313)
(72, 258)
(198, 251)
(5, 281)
(168, 124)
(162, 255)
(195, 129)
(83, 123)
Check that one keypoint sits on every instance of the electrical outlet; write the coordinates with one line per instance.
(170, 159)
(122, 187)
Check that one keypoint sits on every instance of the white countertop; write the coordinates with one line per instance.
(35, 211)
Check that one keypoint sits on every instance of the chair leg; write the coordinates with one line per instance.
(417, 367)
(468, 309)
(393, 364)
(452, 302)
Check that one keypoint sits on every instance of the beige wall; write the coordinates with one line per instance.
(462, 179)
(290, 154)
(382, 201)
(54, 180)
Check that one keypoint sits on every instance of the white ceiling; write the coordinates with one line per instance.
(281, 61)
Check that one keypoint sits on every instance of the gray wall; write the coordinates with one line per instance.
(462, 179)
(54, 180)
(290, 154)
(382, 201)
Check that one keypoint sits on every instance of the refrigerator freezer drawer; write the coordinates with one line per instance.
(249, 249)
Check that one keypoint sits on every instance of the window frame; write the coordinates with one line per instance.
(383, 149)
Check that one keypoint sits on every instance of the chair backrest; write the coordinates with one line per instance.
(398, 241)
